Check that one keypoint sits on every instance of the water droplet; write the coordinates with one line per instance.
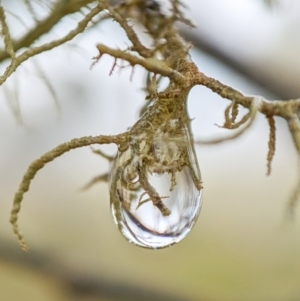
(155, 187)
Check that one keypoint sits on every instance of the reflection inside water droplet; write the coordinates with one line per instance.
(156, 196)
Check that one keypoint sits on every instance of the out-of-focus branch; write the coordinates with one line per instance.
(59, 10)
(83, 285)
(18, 60)
(9, 48)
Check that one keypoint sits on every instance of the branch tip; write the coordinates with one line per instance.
(271, 143)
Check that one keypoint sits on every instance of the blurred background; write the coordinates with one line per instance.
(243, 246)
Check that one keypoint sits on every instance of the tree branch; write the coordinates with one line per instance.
(150, 64)
(281, 108)
(38, 164)
(5, 31)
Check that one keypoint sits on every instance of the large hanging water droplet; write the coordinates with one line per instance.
(155, 186)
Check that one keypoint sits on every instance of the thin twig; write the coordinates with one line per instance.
(36, 165)
(252, 114)
(132, 36)
(5, 32)
(234, 111)
(152, 65)
(95, 180)
(30, 9)
(102, 154)
(271, 143)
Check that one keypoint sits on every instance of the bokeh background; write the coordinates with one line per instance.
(243, 246)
